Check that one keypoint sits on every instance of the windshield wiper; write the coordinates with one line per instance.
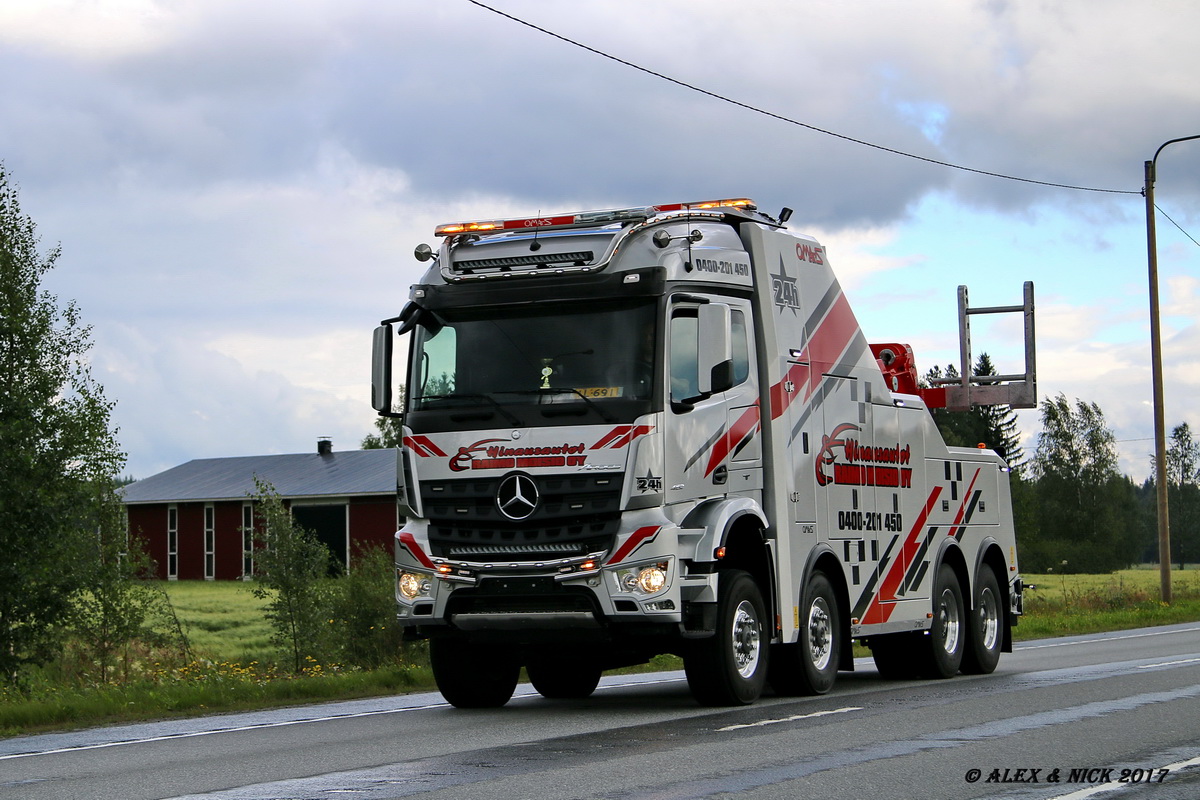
(503, 411)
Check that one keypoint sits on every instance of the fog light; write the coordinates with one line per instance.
(653, 578)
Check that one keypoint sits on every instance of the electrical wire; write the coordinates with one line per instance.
(1176, 224)
(789, 120)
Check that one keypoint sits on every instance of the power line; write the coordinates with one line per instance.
(789, 120)
(1176, 224)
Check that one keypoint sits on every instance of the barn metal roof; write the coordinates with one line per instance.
(302, 475)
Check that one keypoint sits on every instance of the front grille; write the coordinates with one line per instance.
(575, 515)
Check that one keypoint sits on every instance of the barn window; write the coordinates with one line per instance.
(210, 543)
(172, 543)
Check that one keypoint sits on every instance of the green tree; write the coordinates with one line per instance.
(1086, 510)
(291, 564)
(120, 609)
(61, 455)
(1183, 494)
(995, 426)
(362, 611)
(388, 430)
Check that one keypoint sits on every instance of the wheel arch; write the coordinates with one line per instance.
(951, 553)
(739, 526)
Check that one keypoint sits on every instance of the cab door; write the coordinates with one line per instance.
(713, 442)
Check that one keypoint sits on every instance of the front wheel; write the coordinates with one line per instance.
(730, 667)
(810, 665)
(472, 676)
(985, 632)
(947, 635)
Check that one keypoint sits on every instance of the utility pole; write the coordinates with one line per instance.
(1160, 431)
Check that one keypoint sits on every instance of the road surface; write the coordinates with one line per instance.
(1064, 719)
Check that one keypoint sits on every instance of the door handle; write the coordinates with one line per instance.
(721, 475)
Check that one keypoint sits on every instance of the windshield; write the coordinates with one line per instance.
(594, 359)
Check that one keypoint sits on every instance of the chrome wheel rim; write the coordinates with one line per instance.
(948, 617)
(820, 634)
(989, 619)
(746, 639)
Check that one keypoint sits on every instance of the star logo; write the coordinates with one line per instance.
(517, 496)
(786, 290)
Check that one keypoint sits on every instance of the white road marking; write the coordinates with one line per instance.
(762, 722)
(1112, 786)
(1104, 639)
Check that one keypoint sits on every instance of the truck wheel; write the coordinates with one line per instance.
(897, 655)
(472, 676)
(730, 667)
(985, 635)
(562, 679)
(947, 636)
(810, 665)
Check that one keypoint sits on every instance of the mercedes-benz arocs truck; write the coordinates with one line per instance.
(661, 430)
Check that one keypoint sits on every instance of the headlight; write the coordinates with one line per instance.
(652, 578)
(646, 579)
(413, 584)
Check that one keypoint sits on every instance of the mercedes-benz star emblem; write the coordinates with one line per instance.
(517, 496)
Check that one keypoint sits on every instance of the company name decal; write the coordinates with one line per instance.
(812, 255)
(488, 454)
(860, 465)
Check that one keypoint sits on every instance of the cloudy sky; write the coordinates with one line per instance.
(238, 186)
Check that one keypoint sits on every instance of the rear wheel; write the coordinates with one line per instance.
(472, 676)
(563, 679)
(810, 665)
(947, 636)
(985, 632)
(730, 667)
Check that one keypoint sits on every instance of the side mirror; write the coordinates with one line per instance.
(715, 345)
(381, 370)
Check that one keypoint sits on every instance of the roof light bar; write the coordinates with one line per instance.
(584, 218)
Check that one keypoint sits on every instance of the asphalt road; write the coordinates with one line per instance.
(1065, 718)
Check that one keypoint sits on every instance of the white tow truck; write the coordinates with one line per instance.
(661, 430)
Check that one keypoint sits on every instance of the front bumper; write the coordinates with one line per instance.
(648, 582)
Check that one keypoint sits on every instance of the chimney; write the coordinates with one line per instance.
(324, 446)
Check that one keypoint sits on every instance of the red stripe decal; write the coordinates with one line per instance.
(410, 544)
(880, 608)
(745, 425)
(824, 348)
(620, 430)
(423, 446)
(638, 430)
(962, 508)
(635, 540)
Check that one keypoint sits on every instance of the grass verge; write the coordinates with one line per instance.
(233, 670)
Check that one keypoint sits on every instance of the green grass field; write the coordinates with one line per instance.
(232, 667)
(223, 620)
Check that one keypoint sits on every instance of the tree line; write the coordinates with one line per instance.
(1073, 509)
(74, 586)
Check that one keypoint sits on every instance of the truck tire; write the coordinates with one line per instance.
(730, 667)
(810, 666)
(985, 631)
(563, 679)
(472, 676)
(947, 636)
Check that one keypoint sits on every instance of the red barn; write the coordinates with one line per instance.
(192, 517)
